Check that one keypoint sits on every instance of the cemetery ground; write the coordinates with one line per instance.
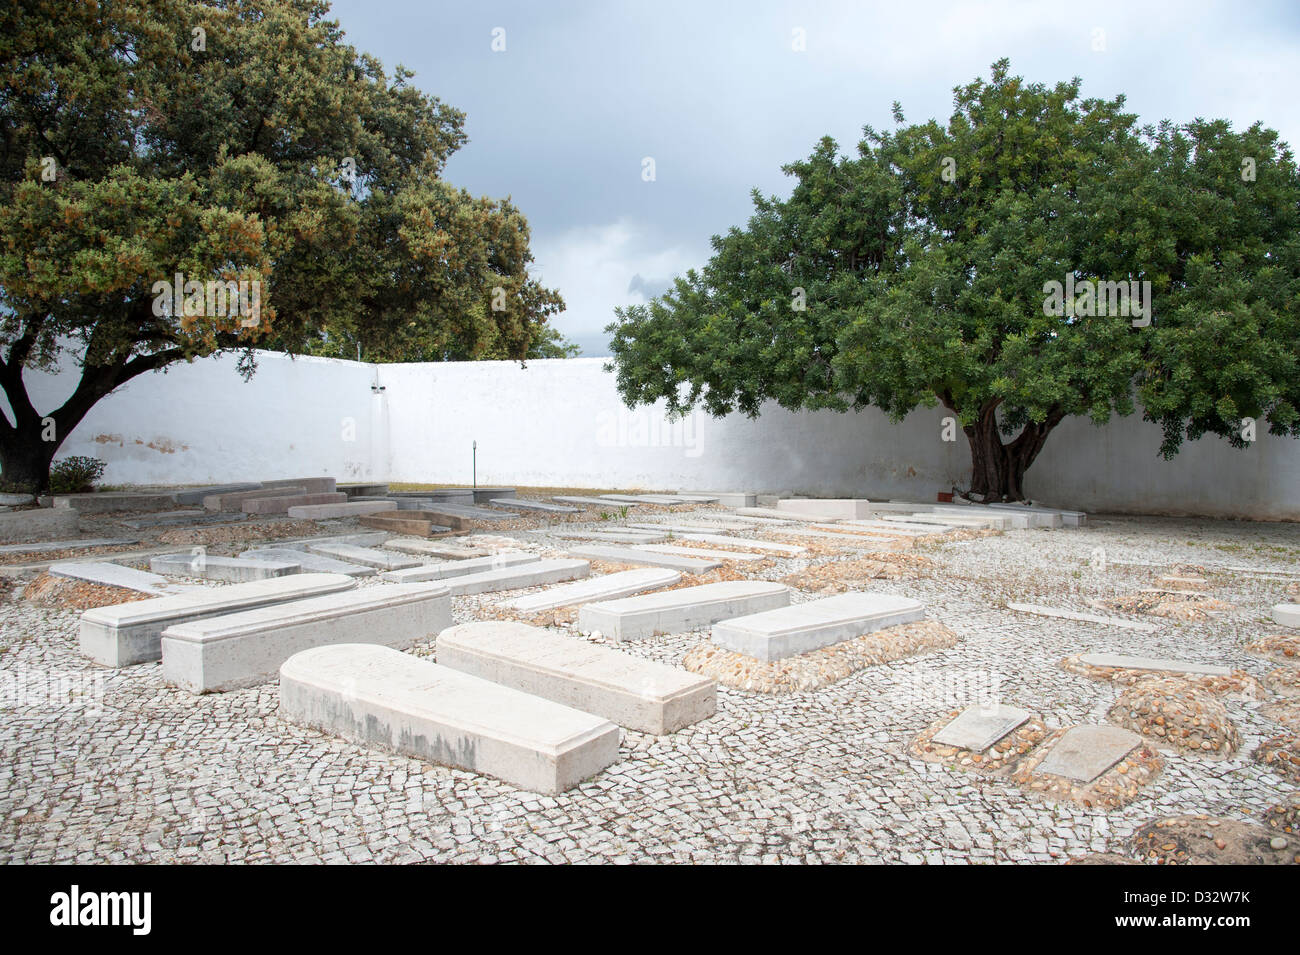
(841, 753)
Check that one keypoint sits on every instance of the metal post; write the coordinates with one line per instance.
(475, 459)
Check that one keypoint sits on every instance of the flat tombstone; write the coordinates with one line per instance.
(1287, 615)
(799, 628)
(428, 548)
(380, 697)
(1085, 752)
(977, 728)
(519, 504)
(603, 587)
(320, 512)
(209, 567)
(247, 648)
(234, 500)
(39, 524)
(314, 563)
(281, 505)
(1127, 662)
(826, 507)
(365, 556)
(640, 694)
(674, 611)
(114, 575)
(460, 568)
(129, 633)
(704, 552)
(631, 555)
(532, 574)
(195, 495)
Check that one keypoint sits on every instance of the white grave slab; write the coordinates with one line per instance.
(1152, 663)
(634, 555)
(532, 574)
(461, 568)
(310, 561)
(211, 567)
(1085, 752)
(799, 628)
(365, 556)
(1287, 615)
(602, 587)
(1120, 622)
(674, 611)
(976, 728)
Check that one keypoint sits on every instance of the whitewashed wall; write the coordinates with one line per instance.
(561, 423)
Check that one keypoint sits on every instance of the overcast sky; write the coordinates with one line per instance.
(716, 94)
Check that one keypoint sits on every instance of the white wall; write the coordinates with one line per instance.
(560, 423)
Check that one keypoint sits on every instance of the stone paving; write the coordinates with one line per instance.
(106, 765)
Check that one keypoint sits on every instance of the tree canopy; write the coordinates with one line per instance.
(228, 141)
(917, 273)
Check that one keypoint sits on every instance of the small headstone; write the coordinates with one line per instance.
(1085, 752)
(977, 728)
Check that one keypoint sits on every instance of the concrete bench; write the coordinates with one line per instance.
(640, 694)
(245, 649)
(674, 611)
(383, 698)
(128, 633)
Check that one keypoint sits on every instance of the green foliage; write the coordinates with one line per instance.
(75, 475)
(923, 261)
(276, 153)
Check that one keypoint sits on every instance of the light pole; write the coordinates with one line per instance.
(474, 459)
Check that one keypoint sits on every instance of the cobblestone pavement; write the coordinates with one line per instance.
(136, 771)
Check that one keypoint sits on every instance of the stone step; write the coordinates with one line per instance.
(519, 504)
(365, 556)
(749, 543)
(461, 568)
(234, 500)
(614, 537)
(311, 562)
(247, 648)
(633, 555)
(799, 628)
(389, 700)
(44, 547)
(675, 611)
(281, 505)
(825, 507)
(129, 633)
(1120, 622)
(195, 495)
(210, 567)
(109, 574)
(601, 587)
(184, 518)
(320, 512)
(532, 574)
(1128, 662)
(428, 548)
(702, 552)
(786, 516)
(588, 502)
(640, 694)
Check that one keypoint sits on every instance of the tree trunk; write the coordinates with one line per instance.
(997, 469)
(25, 461)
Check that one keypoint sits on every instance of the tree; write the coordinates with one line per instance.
(988, 265)
(151, 143)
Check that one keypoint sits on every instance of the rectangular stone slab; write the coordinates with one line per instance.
(519, 504)
(314, 563)
(466, 512)
(115, 575)
(589, 501)
(356, 490)
(633, 555)
(1120, 622)
(210, 567)
(318, 512)
(244, 649)
(1085, 752)
(702, 552)
(1028, 516)
(105, 502)
(407, 523)
(41, 523)
(675, 611)
(234, 500)
(184, 518)
(735, 498)
(785, 515)
(748, 543)
(428, 548)
(365, 556)
(614, 537)
(129, 633)
(310, 485)
(460, 568)
(976, 728)
(602, 587)
(389, 700)
(886, 527)
(660, 499)
(45, 546)
(1286, 615)
(281, 505)
(1151, 663)
(640, 694)
(195, 495)
(826, 507)
(532, 574)
(1068, 518)
(799, 628)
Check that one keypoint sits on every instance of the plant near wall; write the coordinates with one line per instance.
(157, 150)
(934, 267)
(76, 474)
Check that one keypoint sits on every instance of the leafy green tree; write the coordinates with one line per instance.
(918, 273)
(235, 140)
